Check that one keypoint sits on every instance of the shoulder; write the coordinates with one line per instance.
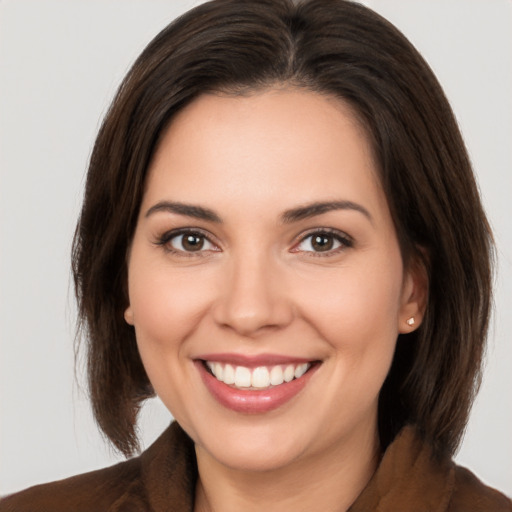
(410, 478)
(97, 490)
(162, 478)
(470, 494)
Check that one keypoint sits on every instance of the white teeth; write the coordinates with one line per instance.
(276, 376)
(229, 375)
(218, 371)
(301, 370)
(260, 377)
(242, 377)
(289, 373)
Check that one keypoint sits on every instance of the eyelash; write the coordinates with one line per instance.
(344, 240)
(165, 240)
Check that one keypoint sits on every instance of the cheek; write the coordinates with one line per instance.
(355, 312)
(167, 305)
(358, 304)
(167, 309)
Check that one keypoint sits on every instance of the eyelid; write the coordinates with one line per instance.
(164, 239)
(345, 240)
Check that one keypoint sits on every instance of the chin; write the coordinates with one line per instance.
(254, 458)
(253, 447)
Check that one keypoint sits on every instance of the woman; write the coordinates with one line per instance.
(274, 239)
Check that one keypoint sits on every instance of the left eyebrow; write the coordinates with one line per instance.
(187, 210)
(318, 208)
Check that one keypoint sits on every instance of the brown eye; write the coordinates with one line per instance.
(322, 242)
(192, 242)
(189, 242)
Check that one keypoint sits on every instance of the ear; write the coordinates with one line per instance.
(128, 315)
(414, 298)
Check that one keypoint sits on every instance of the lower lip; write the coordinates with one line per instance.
(251, 401)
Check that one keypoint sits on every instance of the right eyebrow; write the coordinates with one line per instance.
(188, 210)
(318, 208)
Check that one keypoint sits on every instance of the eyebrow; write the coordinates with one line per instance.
(318, 208)
(288, 217)
(189, 210)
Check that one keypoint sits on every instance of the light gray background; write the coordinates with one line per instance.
(60, 63)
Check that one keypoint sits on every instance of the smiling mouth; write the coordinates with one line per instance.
(258, 378)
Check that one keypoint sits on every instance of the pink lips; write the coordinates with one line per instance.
(251, 401)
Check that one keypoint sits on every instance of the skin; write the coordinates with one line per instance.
(258, 285)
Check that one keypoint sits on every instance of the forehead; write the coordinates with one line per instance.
(267, 147)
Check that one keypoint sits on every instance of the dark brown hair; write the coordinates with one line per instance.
(333, 47)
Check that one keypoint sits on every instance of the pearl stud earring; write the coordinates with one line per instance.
(410, 321)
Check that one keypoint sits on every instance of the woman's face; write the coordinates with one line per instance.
(265, 248)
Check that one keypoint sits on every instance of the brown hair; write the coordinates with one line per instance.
(334, 47)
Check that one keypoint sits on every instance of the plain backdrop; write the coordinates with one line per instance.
(60, 63)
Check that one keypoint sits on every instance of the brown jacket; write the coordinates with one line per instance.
(163, 479)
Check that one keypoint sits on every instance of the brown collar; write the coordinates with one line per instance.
(406, 479)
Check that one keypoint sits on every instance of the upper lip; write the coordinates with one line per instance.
(253, 361)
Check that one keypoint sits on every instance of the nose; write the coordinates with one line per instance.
(253, 297)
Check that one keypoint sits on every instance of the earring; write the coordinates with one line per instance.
(410, 321)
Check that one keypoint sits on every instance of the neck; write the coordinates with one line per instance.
(329, 481)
